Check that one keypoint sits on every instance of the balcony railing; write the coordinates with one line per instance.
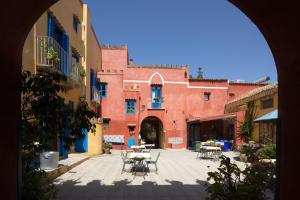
(95, 95)
(50, 54)
(74, 74)
(156, 103)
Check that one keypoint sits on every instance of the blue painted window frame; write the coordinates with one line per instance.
(103, 89)
(156, 96)
(130, 106)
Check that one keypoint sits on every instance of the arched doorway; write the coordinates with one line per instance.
(152, 132)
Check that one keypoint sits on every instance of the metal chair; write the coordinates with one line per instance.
(200, 151)
(153, 162)
(217, 154)
(139, 163)
(125, 160)
(146, 150)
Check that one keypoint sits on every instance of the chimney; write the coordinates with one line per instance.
(130, 61)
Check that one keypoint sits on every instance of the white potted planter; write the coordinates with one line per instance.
(49, 160)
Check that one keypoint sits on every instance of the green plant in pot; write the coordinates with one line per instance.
(52, 55)
(107, 147)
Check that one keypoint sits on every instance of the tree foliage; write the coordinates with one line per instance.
(230, 182)
(200, 73)
(247, 126)
(45, 117)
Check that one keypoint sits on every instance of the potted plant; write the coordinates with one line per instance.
(52, 55)
(107, 147)
(156, 99)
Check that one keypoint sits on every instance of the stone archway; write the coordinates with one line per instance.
(152, 132)
(277, 20)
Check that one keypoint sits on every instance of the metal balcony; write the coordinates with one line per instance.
(95, 95)
(50, 55)
(156, 103)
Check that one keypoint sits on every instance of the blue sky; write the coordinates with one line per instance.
(212, 34)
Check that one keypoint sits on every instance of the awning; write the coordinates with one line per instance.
(268, 117)
(212, 118)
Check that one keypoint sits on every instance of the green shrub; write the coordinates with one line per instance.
(250, 152)
(107, 145)
(37, 186)
(267, 152)
(232, 183)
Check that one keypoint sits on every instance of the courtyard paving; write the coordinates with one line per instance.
(180, 176)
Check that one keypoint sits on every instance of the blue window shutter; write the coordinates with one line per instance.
(134, 107)
(95, 79)
(158, 91)
(51, 25)
(126, 106)
(92, 82)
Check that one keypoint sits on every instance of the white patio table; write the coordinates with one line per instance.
(149, 145)
(138, 148)
(136, 154)
(210, 149)
(138, 159)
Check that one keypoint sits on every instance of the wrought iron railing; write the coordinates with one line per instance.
(74, 74)
(156, 103)
(95, 95)
(50, 54)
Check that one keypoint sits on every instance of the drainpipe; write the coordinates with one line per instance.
(138, 124)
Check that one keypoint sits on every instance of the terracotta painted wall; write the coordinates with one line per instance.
(114, 58)
(238, 89)
(183, 99)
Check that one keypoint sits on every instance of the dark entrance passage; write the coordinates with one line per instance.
(152, 132)
(220, 128)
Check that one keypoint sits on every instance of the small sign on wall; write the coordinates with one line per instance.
(175, 140)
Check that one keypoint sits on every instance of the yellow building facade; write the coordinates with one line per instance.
(66, 30)
(265, 101)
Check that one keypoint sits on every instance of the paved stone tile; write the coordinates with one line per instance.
(180, 176)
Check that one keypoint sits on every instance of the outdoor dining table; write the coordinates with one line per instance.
(149, 145)
(212, 143)
(210, 149)
(138, 159)
(137, 154)
(138, 148)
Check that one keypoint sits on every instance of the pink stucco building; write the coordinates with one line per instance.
(162, 100)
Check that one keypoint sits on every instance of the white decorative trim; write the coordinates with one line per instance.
(176, 82)
(135, 81)
(205, 87)
(156, 73)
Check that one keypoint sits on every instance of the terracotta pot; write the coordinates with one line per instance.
(107, 151)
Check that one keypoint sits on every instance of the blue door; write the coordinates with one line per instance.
(63, 152)
(130, 142)
(81, 145)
